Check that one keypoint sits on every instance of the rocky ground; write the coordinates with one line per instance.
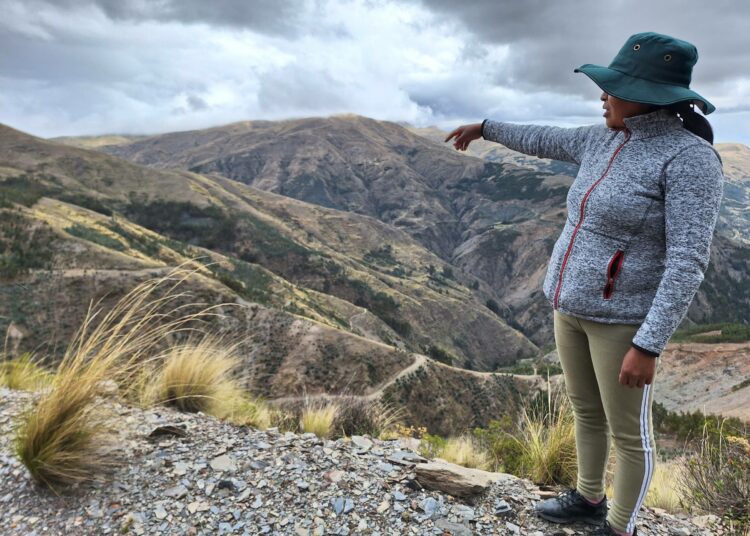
(191, 474)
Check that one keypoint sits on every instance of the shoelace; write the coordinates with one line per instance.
(568, 497)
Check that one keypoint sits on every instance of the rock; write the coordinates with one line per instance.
(333, 476)
(362, 442)
(502, 507)
(107, 389)
(226, 484)
(168, 430)
(410, 443)
(403, 457)
(385, 467)
(456, 480)
(454, 529)
(180, 469)
(431, 507)
(342, 505)
(513, 528)
(160, 513)
(176, 492)
(223, 463)
(383, 506)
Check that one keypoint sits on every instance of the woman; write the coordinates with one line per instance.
(632, 254)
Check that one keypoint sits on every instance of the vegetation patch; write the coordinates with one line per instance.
(92, 235)
(23, 246)
(21, 190)
(25, 373)
(730, 332)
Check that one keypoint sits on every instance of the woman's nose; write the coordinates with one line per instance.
(603, 96)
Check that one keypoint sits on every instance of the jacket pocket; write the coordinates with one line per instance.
(613, 270)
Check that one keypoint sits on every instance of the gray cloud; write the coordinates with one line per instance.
(549, 39)
(264, 16)
(144, 66)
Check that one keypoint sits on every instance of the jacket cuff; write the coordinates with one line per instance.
(482, 129)
(644, 350)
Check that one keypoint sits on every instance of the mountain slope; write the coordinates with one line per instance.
(497, 221)
(419, 301)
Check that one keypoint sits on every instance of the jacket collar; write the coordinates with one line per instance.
(652, 124)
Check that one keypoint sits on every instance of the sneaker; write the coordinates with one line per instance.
(571, 506)
(606, 530)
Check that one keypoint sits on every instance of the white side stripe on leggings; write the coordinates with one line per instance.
(648, 456)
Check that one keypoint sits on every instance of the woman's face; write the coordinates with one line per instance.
(617, 109)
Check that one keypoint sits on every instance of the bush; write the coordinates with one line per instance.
(501, 444)
(463, 450)
(360, 416)
(438, 353)
(717, 478)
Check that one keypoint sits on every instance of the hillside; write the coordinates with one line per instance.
(496, 220)
(326, 301)
(734, 218)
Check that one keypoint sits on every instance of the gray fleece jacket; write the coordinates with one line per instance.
(641, 216)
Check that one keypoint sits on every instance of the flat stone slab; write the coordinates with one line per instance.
(456, 480)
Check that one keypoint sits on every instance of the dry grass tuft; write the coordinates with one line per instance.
(547, 441)
(359, 416)
(201, 376)
(197, 377)
(665, 490)
(717, 477)
(24, 373)
(318, 417)
(465, 450)
(63, 439)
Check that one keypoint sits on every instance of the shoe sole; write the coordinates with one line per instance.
(563, 520)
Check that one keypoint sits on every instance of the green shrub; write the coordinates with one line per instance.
(717, 478)
(92, 235)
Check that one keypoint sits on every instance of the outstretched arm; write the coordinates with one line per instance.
(558, 143)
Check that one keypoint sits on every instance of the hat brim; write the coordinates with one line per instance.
(634, 89)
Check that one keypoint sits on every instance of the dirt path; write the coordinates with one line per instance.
(420, 360)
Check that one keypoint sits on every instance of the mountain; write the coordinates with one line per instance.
(734, 218)
(324, 301)
(495, 152)
(734, 221)
(497, 221)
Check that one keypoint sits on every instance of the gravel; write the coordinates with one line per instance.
(197, 475)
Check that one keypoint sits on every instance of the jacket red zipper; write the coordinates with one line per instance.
(613, 270)
(580, 219)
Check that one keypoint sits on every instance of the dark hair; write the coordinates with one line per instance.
(691, 120)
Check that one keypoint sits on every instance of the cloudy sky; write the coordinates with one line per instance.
(74, 67)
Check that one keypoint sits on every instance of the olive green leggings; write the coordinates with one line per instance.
(591, 354)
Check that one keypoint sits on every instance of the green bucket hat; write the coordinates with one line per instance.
(651, 68)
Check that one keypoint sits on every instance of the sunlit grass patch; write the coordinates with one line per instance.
(24, 373)
(64, 439)
(547, 441)
(318, 417)
(465, 450)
